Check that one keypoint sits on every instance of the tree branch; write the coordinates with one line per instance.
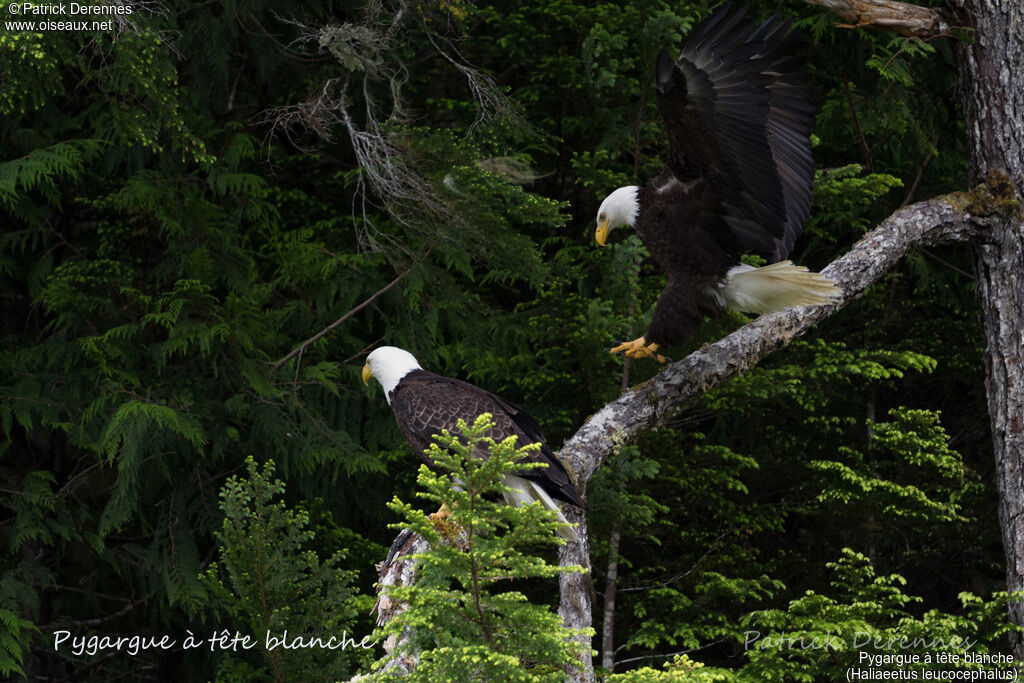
(649, 405)
(397, 569)
(322, 333)
(858, 132)
(887, 15)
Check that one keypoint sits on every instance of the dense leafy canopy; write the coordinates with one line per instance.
(187, 197)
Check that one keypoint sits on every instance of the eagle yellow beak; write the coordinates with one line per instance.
(602, 232)
(367, 373)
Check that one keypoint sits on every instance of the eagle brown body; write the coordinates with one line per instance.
(426, 404)
(688, 255)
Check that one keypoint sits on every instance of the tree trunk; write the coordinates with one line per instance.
(991, 75)
(1000, 266)
(576, 590)
(610, 587)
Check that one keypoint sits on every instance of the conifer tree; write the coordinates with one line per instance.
(469, 615)
(273, 587)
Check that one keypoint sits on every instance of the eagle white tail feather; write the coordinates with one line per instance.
(775, 287)
(523, 492)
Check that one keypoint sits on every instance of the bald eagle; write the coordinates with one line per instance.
(426, 404)
(738, 179)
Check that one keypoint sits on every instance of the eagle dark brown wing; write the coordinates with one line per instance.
(736, 111)
(426, 404)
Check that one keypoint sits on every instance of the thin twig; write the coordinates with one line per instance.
(83, 591)
(675, 578)
(89, 623)
(671, 654)
(865, 148)
(920, 174)
(363, 351)
(947, 264)
(322, 333)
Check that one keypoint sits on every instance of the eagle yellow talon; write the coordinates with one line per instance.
(442, 515)
(442, 522)
(638, 348)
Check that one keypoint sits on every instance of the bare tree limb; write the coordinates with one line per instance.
(909, 196)
(960, 217)
(858, 132)
(92, 623)
(322, 333)
(887, 15)
(610, 588)
(651, 404)
(670, 654)
(398, 569)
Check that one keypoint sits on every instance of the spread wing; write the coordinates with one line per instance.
(736, 110)
(425, 404)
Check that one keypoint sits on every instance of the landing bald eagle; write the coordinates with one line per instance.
(738, 178)
(425, 404)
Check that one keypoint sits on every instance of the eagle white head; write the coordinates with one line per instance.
(389, 364)
(619, 208)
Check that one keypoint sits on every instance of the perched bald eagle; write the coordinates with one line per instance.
(738, 179)
(425, 404)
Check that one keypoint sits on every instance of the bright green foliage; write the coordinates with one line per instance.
(841, 195)
(914, 451)
(471, 620)
(270, 581)
(681, 669)
(893, 60)
(614, 499)
(13, 636)
(716, 553)
(818, 636)
(185, 199)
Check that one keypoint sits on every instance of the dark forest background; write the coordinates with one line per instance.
(187, 197)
